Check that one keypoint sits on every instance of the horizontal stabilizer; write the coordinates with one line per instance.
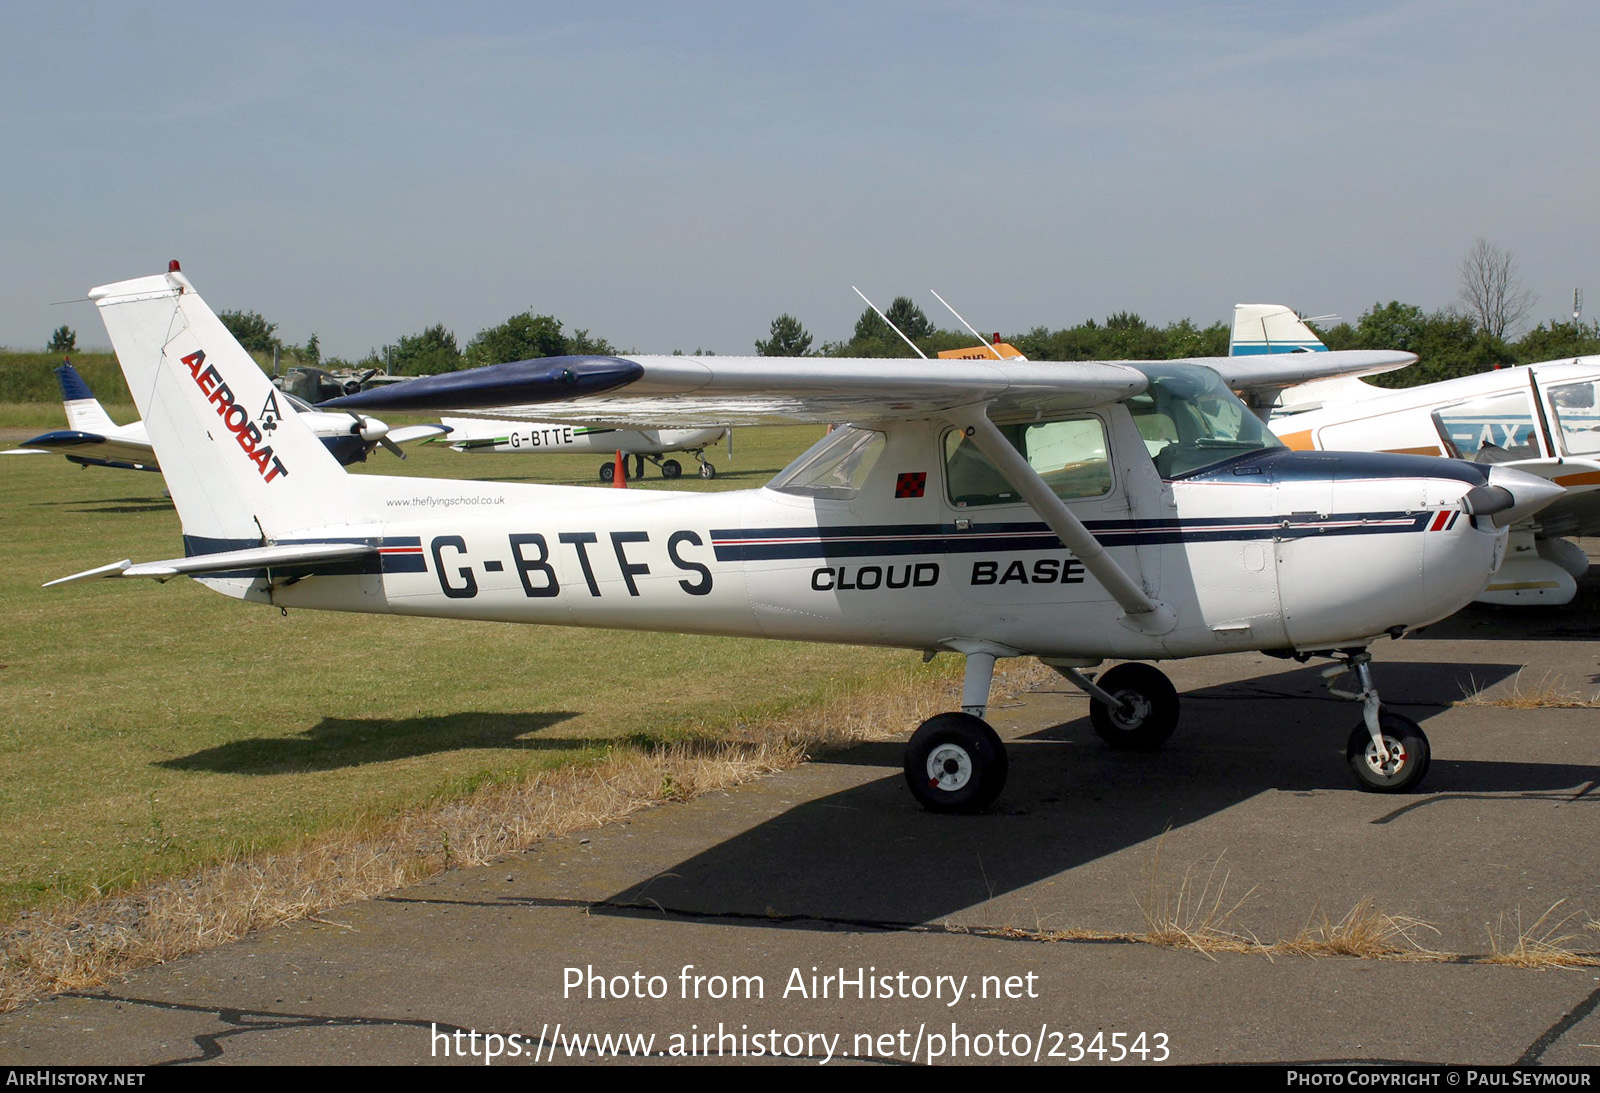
(288, 554)
(94, 447)
(407, 433)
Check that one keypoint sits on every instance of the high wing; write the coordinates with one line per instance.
(656, 390)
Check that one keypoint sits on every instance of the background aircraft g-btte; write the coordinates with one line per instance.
(92, 439)
(535, 437)
(1070, 512)
(1540, 418)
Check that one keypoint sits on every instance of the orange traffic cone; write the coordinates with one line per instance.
(619, 478)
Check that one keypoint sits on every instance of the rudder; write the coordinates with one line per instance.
(239, 464)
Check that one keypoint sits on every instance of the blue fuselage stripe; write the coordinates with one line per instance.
(768, 544)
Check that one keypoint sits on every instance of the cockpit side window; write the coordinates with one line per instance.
(1070, 455)
(1493, 429)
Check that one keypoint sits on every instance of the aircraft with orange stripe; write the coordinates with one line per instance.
(1543, 419)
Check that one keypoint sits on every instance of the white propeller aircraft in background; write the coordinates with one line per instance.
(535, 437)
(1543, 419)
(1070, 512)
(92, 439)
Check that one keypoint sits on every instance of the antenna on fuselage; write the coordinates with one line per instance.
(986, 343)
(892, 327)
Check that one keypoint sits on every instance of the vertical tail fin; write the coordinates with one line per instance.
(238, 462)
(84, 412)
(1270, 328)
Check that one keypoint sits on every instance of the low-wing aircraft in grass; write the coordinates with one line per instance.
(1543, 419)
(92, 439)
(1069, 512)
(478, 435)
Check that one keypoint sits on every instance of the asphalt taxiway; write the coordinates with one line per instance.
(819, 914)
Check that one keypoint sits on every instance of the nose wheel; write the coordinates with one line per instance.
(1388, 752)
(1394, 762)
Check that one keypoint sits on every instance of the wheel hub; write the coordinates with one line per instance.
(1133, 711)
(949, 767)
(1386, 765)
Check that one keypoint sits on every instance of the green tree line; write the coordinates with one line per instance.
(1449, 342)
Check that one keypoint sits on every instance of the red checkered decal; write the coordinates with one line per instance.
(911, 484)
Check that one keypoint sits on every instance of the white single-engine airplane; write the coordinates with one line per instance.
(535, 437)
(1070, 512)
(92, 439)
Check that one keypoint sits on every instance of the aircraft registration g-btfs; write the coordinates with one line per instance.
(1071, 512)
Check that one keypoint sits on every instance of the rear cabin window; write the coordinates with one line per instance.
(835, 467)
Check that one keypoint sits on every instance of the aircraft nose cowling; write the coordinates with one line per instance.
(1511, 496)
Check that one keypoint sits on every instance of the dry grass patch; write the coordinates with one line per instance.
(1363, 931)
(1547, 693)
(1547, 942)
(85, 943)
(1196, 913)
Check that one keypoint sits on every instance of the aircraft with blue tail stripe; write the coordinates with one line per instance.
(92, 439)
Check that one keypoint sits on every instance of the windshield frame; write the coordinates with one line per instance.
(1192, 422)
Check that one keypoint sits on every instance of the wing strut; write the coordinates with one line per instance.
(1146, 615)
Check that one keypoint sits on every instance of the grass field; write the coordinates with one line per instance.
(150, 729)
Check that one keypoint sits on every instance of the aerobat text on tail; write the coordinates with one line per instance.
(1070, 512)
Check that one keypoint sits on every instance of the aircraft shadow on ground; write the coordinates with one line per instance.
(1579, 619)
(335, 743)
(870, 855)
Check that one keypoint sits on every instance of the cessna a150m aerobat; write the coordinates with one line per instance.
(1071, 512)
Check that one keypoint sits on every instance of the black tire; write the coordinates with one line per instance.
(707, 471)
(1401, 773)
(955, 763)
(608, 472)
(671, 468)
(1154, 708)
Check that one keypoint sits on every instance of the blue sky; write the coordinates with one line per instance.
(673, 176)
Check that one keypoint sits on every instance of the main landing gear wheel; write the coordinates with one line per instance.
(1406, 763)
(671, 468)
(955, 763)
(707, 471)
(1149, 708)
(608, 472)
